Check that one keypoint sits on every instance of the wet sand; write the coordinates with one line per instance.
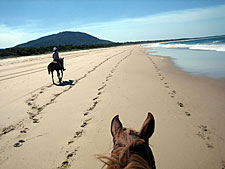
(64, 126)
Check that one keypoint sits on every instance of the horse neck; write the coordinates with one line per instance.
(123, 158)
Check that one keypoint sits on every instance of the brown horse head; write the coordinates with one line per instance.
(131, 149)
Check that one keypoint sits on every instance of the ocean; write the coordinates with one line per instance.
(203, 56)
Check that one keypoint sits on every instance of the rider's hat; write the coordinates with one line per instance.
(54, 49)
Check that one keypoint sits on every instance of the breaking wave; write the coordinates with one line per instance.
(213, 47)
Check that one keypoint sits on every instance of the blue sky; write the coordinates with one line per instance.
(116, 20)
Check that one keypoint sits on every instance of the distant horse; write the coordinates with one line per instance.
(54, 66)
(131, 148)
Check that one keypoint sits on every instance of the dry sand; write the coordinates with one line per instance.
(45, 126)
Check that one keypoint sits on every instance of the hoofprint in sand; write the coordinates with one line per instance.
(65, 126)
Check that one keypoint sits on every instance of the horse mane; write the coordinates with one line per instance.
(125, 158)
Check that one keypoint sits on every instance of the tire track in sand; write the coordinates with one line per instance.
(34, 70)
(35, 110)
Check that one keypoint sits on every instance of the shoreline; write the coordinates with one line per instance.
(207, 63)
(175, 68)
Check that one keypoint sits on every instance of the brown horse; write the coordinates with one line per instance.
(131, 148)
(54, 66)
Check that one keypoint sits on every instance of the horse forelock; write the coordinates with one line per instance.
(125, 153)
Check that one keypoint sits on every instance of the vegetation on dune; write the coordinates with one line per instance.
(27, 51)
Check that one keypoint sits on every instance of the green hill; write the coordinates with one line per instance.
(64, 38)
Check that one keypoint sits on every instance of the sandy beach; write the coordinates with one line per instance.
(46, 126)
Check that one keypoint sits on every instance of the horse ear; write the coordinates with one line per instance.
(115, 125)
(147, 128)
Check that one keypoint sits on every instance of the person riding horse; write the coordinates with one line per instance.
(56, 58)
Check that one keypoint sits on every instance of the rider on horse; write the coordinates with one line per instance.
(56, 58)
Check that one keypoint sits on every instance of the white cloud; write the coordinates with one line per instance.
(180, 23)
(10, 37)
(188, 15)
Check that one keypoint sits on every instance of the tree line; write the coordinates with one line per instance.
(17, 51)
